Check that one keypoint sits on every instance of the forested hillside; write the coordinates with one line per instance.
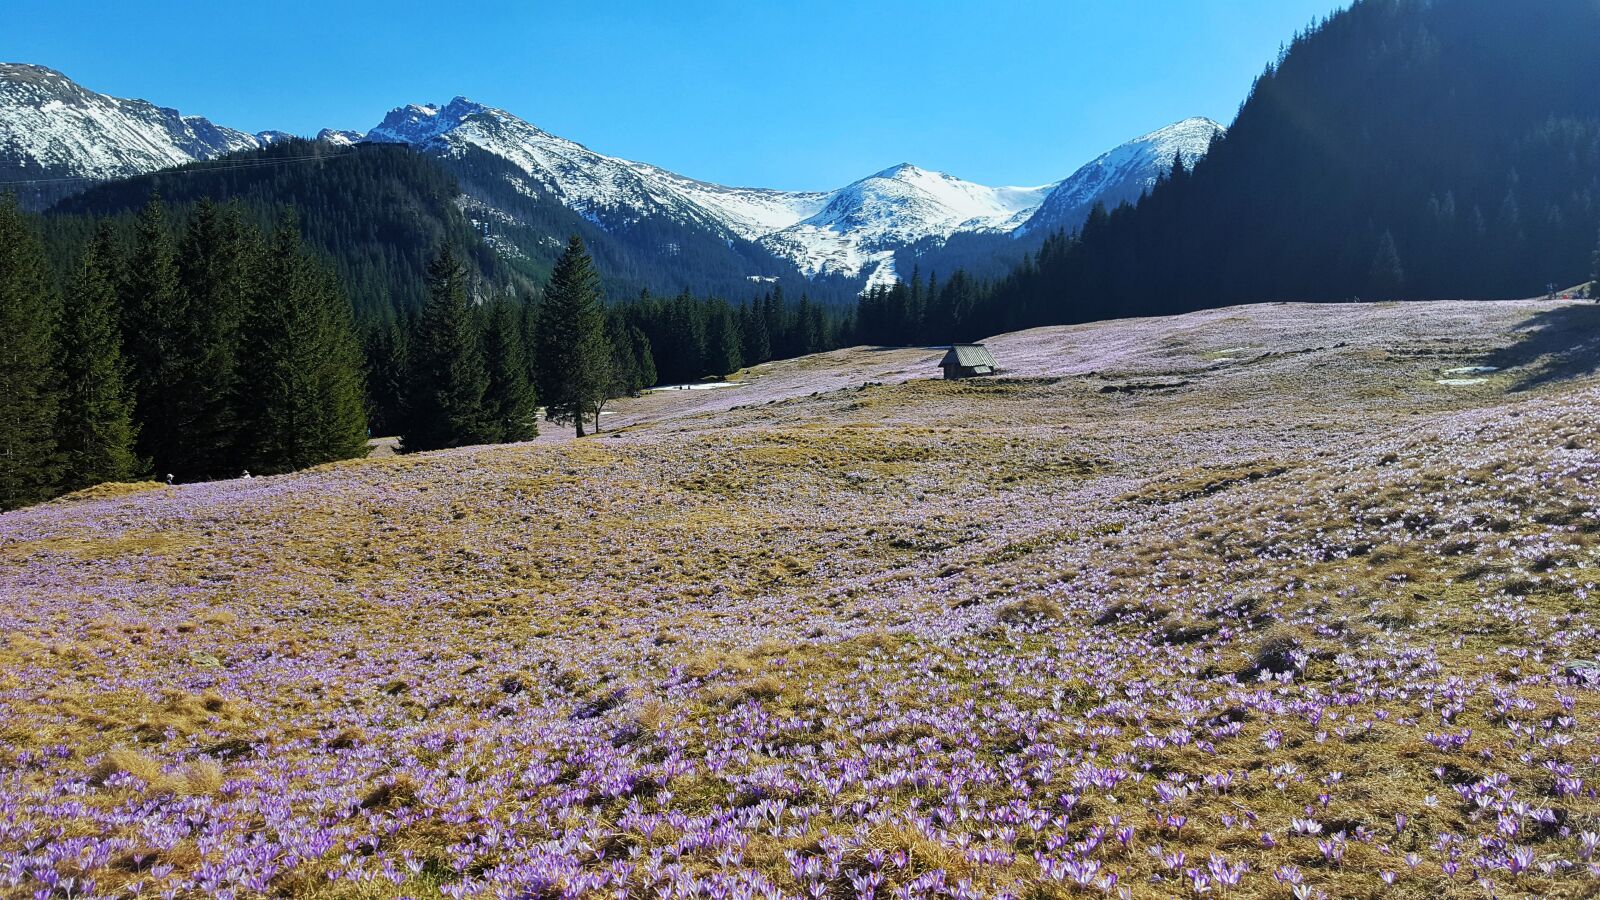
(197, 345)
(1404, 149)
(377, 212)
(529, 226)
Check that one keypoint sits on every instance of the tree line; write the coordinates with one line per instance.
(216, 345)
(200, 354)
(376, 212)
(469, 370)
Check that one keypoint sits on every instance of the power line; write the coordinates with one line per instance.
(187, 169)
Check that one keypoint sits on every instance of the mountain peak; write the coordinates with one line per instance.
(420, 123)
(1194, 122)
(15, 70)
(1123, 174)
(902, 171)
(52, 127)
(1190, 131)
(60, 128)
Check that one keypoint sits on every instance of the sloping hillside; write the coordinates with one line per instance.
(1263, 602)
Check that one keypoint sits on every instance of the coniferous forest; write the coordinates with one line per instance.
(196, 341)
(332, 293)
(190, 351)
(1388, 154)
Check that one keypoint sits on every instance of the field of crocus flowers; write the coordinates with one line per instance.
(1284, 601)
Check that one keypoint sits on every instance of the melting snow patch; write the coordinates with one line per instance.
(1462, 382)
(1472, 370)
(697, 386)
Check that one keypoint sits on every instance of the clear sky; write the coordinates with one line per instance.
(797, 94)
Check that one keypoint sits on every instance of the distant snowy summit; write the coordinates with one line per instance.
(860, 226)
(50, 127)
(1123, 174)
(852, 231)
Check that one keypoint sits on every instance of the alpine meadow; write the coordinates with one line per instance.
(449, 508)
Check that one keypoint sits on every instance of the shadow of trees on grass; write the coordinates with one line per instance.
(1556, 345)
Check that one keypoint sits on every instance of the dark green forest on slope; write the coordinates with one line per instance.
(1401, 150)
(377, 212)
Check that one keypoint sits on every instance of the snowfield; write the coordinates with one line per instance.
(1123, 623)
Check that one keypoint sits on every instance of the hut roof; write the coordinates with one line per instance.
(969, 356)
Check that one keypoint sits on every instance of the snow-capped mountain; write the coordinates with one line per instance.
(340, 138)
(1122, 174)
(861, 226)
(51, 127)
(852, 232)
(605, 189)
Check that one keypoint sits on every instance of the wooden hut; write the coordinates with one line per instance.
(968, 361)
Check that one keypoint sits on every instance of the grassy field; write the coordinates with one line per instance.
(1280, 601)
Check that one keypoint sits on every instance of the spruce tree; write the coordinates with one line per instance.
(633, 366)
(159, 339)
(448, 377)
(574, 356)
(95, 428)
(723, 355)
(753, 330)
(386, 346)
(510, 402)
(627, 377)
(28, 458)
(684, 355)
(808, 328)
(301, 389)
(215, 262)
(643, 357)
(1387, 278)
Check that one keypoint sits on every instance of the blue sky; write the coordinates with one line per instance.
(799, 94)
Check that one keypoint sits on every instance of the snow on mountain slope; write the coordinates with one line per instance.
(843, 232)
(605, 189)
(340, 138)
(1122, 174)
(849, 232)
(862, 225)
(51, 127)
(751, 212)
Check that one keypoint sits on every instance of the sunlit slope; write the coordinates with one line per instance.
(1229, 603)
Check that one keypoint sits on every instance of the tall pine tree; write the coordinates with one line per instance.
(301, 390)
(757, 344)
(448, 377)
(724, 351)
(160, 340)
(387, 349)
(95, 428)
(510, 402)
(1388, 277)
(574, 355)
(28, 459)
(215, 266)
